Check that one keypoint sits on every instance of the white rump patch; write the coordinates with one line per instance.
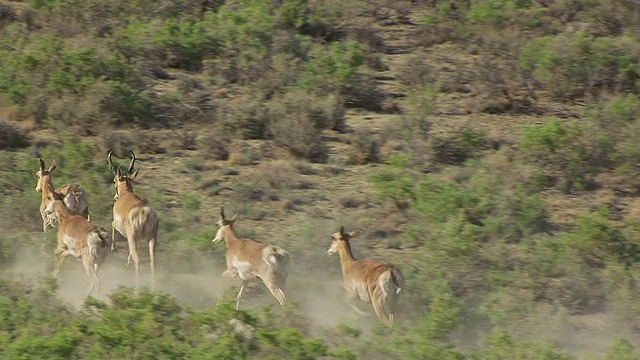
(70, 243)
(243, 267)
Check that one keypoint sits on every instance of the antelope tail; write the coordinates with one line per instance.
(143, 215)
(277, 258)
(398, 279)
(96, 244)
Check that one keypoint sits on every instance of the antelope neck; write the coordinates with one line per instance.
(124, 188)
(62, 211)
(229, 235)
(346, 256)
(47, 186)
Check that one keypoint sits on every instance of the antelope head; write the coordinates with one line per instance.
(123, 181)
(222, 223)
(338, 237)
(43, 174)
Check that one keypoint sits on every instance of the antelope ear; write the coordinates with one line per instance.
(222, 212)
(235, 217)
(354, 233)
(133, 175)
(53, 166)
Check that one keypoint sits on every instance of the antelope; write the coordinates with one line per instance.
(73, 196)
(133, 218)
(251, 259)
(79, 238)
(371, 281)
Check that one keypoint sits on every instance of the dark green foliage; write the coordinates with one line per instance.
(573, 65)
(502, 347)
(572, 154)
(138, 326)
(622, 349)
(458, 147)
(46, 71)
(12, 137)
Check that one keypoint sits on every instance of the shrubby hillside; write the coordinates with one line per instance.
(488, 148)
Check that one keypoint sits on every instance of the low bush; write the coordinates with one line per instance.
(11, 137)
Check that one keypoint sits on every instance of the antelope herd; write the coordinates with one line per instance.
(67, 208)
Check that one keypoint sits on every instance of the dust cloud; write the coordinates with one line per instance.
(318, 297)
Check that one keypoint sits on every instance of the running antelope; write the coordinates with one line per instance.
(79, 238)
(250, 259)
(73, 196)
(133, 218)
(371, 281)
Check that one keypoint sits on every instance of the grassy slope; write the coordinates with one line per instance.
(306, 202)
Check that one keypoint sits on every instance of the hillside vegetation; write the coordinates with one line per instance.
(490, 149)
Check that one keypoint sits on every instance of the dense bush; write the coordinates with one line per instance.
(578, 64)
(35, 324)
(109, 82)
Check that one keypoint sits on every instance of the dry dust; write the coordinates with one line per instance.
(320, 298)
(318, 295)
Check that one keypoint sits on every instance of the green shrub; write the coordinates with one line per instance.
(458, 147)
(572, 154)
(297, 118)
(129, 105)
(144, 325)
(332, 67)
(621, 349)
(578, 64)
(397, 180)
(187, 43)
(625, 109)
(595, 236)
(430, 336)
(495, 12)
(503, 347)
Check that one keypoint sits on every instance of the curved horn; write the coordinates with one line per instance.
(222, 212)
(41, 165)
(111, 166)
(133, 162)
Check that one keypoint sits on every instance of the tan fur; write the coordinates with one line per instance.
(371, 281)
(73, 195)
(78, 237)
(133, 219)
(251, 259)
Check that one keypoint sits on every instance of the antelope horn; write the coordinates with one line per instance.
(41, 165)
(111, 166)
(133, 161)
(222, 212)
